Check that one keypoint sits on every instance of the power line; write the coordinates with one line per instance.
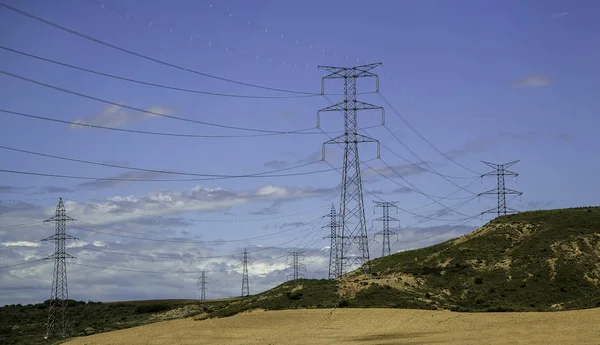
(431, 170)
(415, 189)
(106, 44)
(173, 117)
(22, 263)
(212, 176)
(422, 137)
(377, 196)
(166, 134)
(148, 83)
(76, 177)
(425, 163)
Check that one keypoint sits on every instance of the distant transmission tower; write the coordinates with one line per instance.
(353, 243)
(202, 286)
(245, 286)
(500, 171)
(386, 218)
(333, 247)
(295, 264)
(58, 322)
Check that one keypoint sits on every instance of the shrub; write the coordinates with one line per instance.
(151, 308)
(478, 280)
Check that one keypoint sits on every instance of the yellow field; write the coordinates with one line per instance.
(367, 327)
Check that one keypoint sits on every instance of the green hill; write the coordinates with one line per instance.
(531, 261)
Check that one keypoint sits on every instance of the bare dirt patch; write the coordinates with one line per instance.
(350, 286)
(366, 326)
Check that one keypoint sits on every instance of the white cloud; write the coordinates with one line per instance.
(559, 15)
(21, 244)
(533, 81)
(117, 116)
(166, 202)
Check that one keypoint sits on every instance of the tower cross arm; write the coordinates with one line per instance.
(59, 218)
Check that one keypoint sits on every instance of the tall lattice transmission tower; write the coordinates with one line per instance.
(352, 240)
(202, 285)
(500, 171)
(386, 219)
(333, 247)
(245, 286)
(295, 265)
(58, 321)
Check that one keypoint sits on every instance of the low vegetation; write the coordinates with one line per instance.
(26, 324)
(531, 261)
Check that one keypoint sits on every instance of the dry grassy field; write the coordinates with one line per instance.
(367, 327)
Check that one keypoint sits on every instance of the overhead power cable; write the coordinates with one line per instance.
(22, 263)
(416, 165)
(148, 83)
(173, 117)
(212, 176)
(22, 225)
(75, 177)
(106, 44)
(431, 169)
(423, 138)
(181, 135)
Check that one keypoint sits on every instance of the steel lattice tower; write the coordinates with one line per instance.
(352, 240)
(500, 171)
(58, 322)
(295, 264)
(245, 286)
(386, 218)
(202, 286)
(333, 247)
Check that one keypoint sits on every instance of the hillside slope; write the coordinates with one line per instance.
(531, 261)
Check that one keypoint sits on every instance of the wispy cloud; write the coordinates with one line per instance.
(117, 116)
(21, 244)
(565, 137)
(12, 189)
(132, 175)
(487, 143)
(52, 190)
(276, 164)
(559, 15)
(533, 81)
(270, 210)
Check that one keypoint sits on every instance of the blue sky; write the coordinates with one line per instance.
(495, 81)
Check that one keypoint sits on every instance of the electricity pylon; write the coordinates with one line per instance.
(386, 218)
(333, 247)
(500, 171)
(353, 243)
(295, 264)
(245, 286)
(202, 285)
(58, 321)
